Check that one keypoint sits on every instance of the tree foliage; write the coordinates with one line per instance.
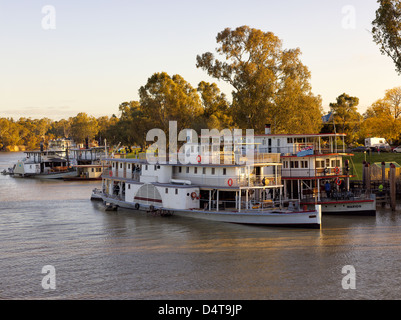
(383, 118)
(386, 30)
(268, 81)
(166, 98)
(346, 116)
(83, 127)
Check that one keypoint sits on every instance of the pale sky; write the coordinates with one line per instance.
(92, 55)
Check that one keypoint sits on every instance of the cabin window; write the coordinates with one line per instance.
(113, 164)
(187, 170)
(179, 169)
(213, 170)
(93, 170)
(146, 167)
(195, 170)
(176, 191)
(289, 140)
(129, 166)
(129, 186)
(204, 170)
(166, 190)
(304, 164)
(320, 164)
(224, 171)
(327, 162)
(335, 163)
(121, 165)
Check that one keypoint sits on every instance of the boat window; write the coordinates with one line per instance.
(195, 170)
(176, 191)
(320, 164)
(213, 170)
(224, 171)
(166, 190)
(179, 169)
(187, 170)
(129, 186)
(204, 170)
(327, 162)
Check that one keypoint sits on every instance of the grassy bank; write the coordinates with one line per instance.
(358, 158)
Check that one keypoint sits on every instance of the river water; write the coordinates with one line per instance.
(98, 254)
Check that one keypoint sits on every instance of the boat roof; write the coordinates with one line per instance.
(322, 135)
(141, 161)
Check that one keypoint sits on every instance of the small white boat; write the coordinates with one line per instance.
(96, 194)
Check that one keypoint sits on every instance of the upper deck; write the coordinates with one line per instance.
(301, 144)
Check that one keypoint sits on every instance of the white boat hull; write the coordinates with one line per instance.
(304, 219)
(365, 207)
(58, 175)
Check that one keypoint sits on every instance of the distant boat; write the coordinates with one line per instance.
(88, 162)
(52, 163)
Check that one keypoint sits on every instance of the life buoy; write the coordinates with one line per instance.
(337, 170)
(193, 195)
(230, 182)
(110, 173)
(338, 181)
(199, 159)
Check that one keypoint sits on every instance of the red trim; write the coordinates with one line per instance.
(320, 155)
(337, 202)
(148, 199)
(316, 177)
(303, 135)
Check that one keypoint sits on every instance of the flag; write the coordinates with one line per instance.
(327, 117)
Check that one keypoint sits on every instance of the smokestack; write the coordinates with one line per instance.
(268, 129)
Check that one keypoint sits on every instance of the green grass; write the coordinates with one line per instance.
(357, 160)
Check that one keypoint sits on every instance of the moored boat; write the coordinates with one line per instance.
(317, 170)
(236, 193)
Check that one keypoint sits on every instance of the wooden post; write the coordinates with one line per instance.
(366, 170)
(383, 173)
(392, 187)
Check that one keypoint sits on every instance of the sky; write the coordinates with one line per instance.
(59, 58)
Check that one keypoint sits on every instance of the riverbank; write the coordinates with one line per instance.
(371, 157)
(14, 149)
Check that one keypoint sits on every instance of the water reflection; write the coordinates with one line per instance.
(125, 255)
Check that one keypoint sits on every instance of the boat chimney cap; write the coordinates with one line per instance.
(268, 129)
